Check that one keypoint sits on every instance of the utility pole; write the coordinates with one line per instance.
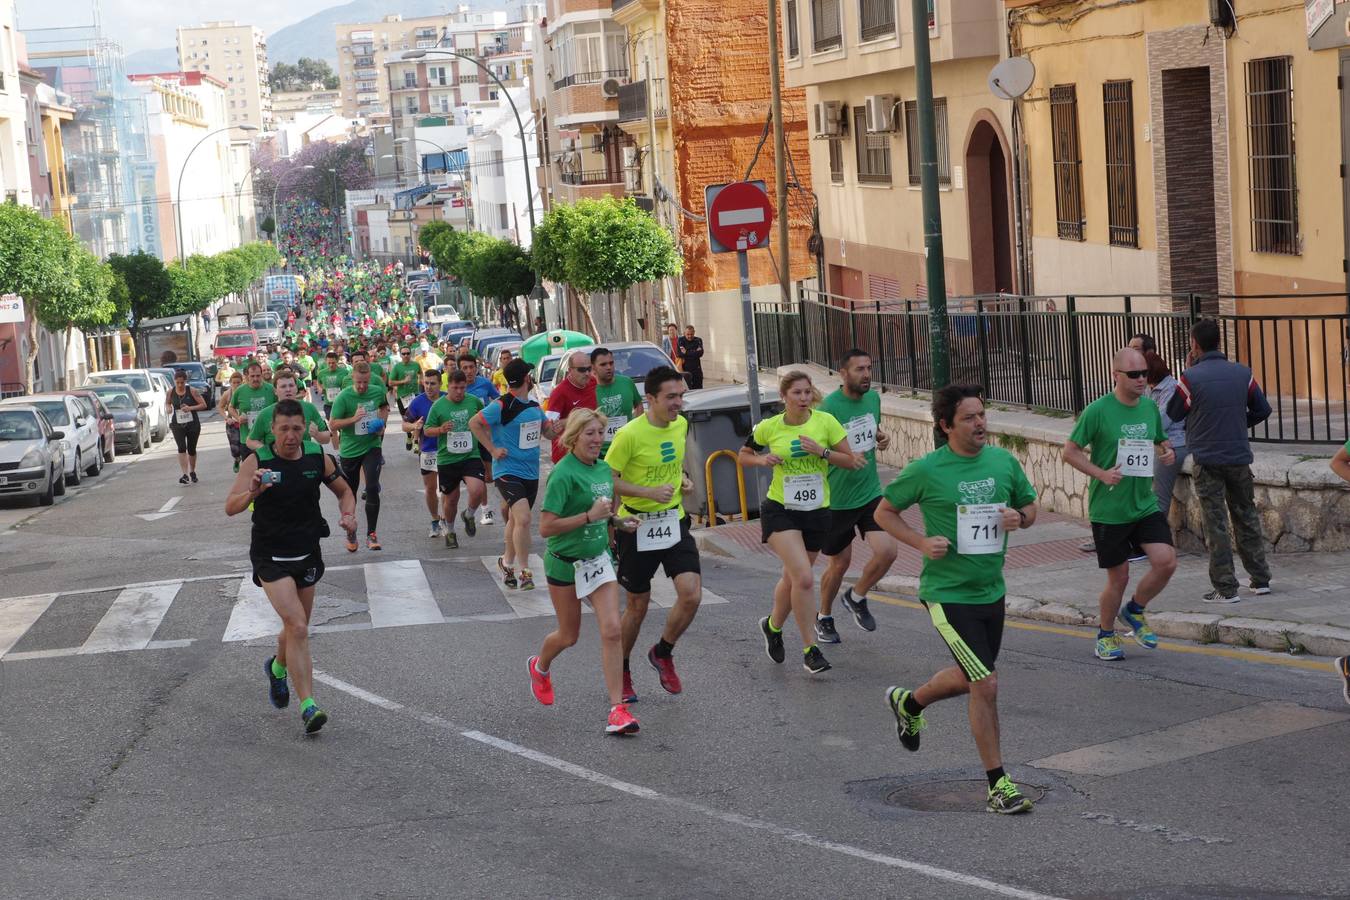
(780, 154)
(935, 275)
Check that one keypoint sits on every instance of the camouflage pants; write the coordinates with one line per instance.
(1223, 490)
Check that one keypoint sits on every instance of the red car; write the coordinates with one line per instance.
(235, 343)
(107, 429)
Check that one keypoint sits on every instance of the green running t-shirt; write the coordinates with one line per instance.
(855, 488)
(458, 414)
(356, 444)
(1102, 426)
(572, 487)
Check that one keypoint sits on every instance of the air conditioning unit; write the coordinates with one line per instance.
(610, 87)
(830, 121)
(880, 113)
(630, 157)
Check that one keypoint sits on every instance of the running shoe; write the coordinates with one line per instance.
(1138, 556)
(1259, 589)
(629, 694)
(451, 542)
(1109, 649)
(372, 542)
(236, 467)
(193, 476)
(508, 575)
(541, 685)
(1218, 596)
(435, 531)
(825, 632)
(773, 641)
(858, 606)
(1343, 669)
(277, 688)
(314, 719)
(351, 542)
(1088, 546)
(184, 480)
(907, 727)
(1006, 799)
(470, 526)
(363, 495)
(1143, 635)
(486, 516)
(665, 671)
(526, 580)
(621, 721)
(814, 661)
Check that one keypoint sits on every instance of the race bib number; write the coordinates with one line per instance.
(184, 416)
(593, 572)
(252, 416)
(332, 393)
(361, 426)
(529, 434)
(1135, 457)
(429, 461)
(612, 426)
(804, 492)
(459, 441)
(657, 531)
(862, 434)
(979, 529)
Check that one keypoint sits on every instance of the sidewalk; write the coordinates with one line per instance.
(1051, 580)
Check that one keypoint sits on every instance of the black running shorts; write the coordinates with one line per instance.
(306, 571)
(813, 524)
(843, 522)
(1117, 543)
(973, 633)
(637, 567)
(512, 489)
(451, 474)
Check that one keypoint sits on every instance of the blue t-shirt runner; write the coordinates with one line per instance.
(516, 427)
(418, 407)
(483, 389)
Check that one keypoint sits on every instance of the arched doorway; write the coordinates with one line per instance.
(988, 207)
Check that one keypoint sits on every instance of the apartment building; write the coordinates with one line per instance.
(376, 83)
(15, 177)
(237, 56)
(287, 106)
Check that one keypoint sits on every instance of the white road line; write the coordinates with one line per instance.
(80, 651)
(747, 823)
(170, 503)
(398, 594)
(132, 620)
(17, 615)
(525, 604)
(1234, 728)
(663, 593)
(253, 615)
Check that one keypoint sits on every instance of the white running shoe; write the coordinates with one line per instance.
(485, 516)
(436, 530)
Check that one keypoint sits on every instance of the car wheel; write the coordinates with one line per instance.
(60, 489)
(110, 451)
(145, 439)
(74, 477)
(157, 435)
(47, 497)
(138, 447)
(96, 466)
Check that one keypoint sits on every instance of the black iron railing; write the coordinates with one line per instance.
(599, 176)
(1055, 353)
(590, 78)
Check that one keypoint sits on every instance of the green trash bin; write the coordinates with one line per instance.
(719, 419)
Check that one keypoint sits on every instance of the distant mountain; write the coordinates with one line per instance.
(150, 62)
(314, 36)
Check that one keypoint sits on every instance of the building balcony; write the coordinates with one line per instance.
(590, 78)
(633, 101)
(589, 179)
(628, 11)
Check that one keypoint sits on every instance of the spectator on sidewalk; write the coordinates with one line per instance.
(1162, 385)
(690, 350)
(1220, 401)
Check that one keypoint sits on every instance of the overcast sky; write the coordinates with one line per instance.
(152, 24)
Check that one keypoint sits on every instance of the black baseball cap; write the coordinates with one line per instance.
(516, 371)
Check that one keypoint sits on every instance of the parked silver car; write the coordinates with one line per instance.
(32, 463)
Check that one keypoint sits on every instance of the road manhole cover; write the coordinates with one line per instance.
(951, 796)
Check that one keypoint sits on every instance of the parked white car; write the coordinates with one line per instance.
(147, 388)
(442, 312)
(30, 455)
(79, 443)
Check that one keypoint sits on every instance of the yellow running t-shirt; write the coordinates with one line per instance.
(802, 471)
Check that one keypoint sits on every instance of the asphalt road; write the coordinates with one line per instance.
(139, 756)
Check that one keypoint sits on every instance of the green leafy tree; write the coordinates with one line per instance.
(552, 238)
(268, 226)
(446, 249)
(428, 233)
(142, 291)
(495, 268)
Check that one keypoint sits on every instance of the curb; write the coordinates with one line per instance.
(1296, 638)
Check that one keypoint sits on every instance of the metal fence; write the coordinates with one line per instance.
(1055, 353)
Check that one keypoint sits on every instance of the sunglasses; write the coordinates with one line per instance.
(581, 368)
(1133, 373)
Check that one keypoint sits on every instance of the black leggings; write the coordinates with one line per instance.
(370, 464)
(185, 436)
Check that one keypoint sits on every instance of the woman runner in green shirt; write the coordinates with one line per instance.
(575, 520)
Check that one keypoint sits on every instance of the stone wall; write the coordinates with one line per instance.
(1303, 505)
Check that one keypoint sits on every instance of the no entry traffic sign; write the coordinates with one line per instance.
(735, 211)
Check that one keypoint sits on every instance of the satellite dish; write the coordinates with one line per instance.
(1012, 77)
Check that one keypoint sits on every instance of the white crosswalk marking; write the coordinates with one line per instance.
(132, 620)
(663, 593)
(399, 594)
(17, 615)
(253, 615)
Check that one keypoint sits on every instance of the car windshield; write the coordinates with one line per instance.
(193, 370)
(54, 410)
(235, 340)
(636, 362)
(266, 321)
(116, 400)
(547, 367)
(18, 426)
(137, 381)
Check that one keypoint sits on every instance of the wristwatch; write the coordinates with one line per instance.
(825, 453)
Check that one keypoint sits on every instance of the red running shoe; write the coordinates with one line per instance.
(665, 668)
(621, 721)
(629, 695)
(540, 684)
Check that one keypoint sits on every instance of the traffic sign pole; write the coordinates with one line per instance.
(748, 320)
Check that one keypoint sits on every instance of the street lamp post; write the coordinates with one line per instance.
(538, 293)
(178, 207)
